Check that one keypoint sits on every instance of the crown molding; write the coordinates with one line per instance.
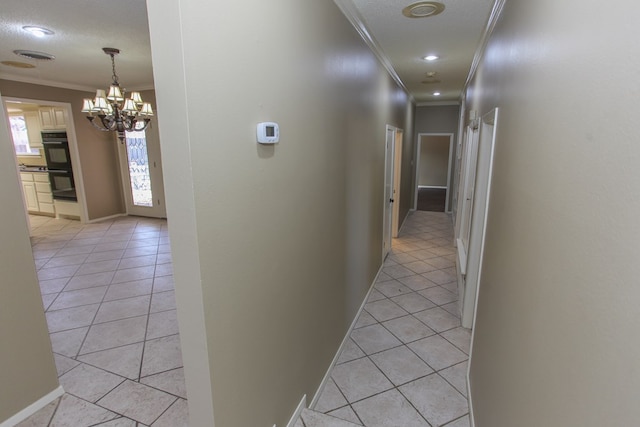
(42, 82)
(496, 13)
(437, 103)
(354, 17)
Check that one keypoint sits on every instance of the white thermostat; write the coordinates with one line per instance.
(268, 133)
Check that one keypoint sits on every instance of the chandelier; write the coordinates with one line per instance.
(114, 113)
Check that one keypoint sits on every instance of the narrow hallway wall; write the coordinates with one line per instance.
(275, 247)
(555, 335)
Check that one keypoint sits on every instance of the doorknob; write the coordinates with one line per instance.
(391, 200)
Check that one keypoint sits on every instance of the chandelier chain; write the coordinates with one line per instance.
(113, 68)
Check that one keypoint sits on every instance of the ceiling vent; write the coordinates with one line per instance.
(423, 9)
(31, 54)
(17, 64)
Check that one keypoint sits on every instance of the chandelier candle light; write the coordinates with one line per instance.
(133, 115)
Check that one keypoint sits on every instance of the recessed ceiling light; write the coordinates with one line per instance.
(31, 54)
(436, 93)
(17, 64)
(431, 57)
(37, 31)
(423, 9)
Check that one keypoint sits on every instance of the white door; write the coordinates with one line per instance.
(483, 169)
(397, 179)
(387, 231)
(142, 175)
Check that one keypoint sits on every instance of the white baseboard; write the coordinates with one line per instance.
(404, 221)
(316, 397)
(472, 421)
(33, 408)
(106, 218)
(296, 414)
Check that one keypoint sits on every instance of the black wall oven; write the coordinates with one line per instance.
(56, 151)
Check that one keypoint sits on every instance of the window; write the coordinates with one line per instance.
(20, 135)
(139, 168)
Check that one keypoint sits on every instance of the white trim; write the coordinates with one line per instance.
(51, 83)
(417, 171)
(435, 187)
(437, 103)
(33, 408)
(472, 421)
(462, 257)
(404, 220)
(352, 14)
(492, 118)
(105, 218)
(316, 397)
(296, 414)
(496, 12)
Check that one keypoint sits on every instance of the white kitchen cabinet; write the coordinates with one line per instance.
(52, 118)
(32, 119)
(43, 192)
(37, 193)
(30, 196)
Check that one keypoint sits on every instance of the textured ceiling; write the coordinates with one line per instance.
(83, 27)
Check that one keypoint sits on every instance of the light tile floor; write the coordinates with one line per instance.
(406, 360)
(108, 295)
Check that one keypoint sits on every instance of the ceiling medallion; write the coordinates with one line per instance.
(423, 9)
(17, 64)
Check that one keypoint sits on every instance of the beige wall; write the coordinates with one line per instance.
(440, 119)
(434, 161)
(557, 322)
(27, 371)
(98, 151)
(276, 246)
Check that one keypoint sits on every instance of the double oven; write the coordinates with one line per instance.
(56, 152)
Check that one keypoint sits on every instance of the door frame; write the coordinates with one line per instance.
(487, 134)
(388, 189)
(73, 145)
(397, 181)
(450, 163)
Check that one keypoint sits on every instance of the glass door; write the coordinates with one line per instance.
(142, 176)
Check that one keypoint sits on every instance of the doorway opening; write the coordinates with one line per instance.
(392, 181)
(36, 179)
(434, 161)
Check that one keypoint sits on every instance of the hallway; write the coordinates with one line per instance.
(108, 293)
(107, 289)
(406, 361)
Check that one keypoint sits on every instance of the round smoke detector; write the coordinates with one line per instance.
(423, 9)
(32, 54)
(17, 64)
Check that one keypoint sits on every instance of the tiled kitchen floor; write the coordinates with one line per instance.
(108, 293)
(406, 361)
(107, 289)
